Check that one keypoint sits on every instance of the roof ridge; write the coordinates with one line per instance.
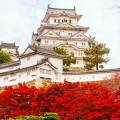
(49, 7)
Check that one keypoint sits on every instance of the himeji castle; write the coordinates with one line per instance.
(39, 63)
(60, 28)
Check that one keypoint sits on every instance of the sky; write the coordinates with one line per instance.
(19, 18)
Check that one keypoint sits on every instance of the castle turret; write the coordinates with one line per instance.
(9, 47)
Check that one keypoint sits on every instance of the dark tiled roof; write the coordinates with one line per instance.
(44, 61)
(51, 11)
(27, 68)
(15, 63)
(68, 26)
(9, 45)
(93, 72)
(41, 50)
(49, 7)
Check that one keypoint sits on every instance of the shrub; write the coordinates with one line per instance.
(5, 57)
(47, 116)
(51, 116)
(27, 118)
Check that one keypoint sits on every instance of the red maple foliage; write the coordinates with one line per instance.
(72, 101)
(16, 101)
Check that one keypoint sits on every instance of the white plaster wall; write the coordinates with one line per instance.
(45, 75)
(65, 33)
(17, 78)
(57, 42)
(31, 60)
(79, 43)
(9, 68)
(87, 77)
(51, 42)
(58, 63)
(27, 76)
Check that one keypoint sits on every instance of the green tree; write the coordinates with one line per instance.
(5, 57)
(95, 55)
(60, 50)
(68, 59)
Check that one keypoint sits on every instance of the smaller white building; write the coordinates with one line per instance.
(10, 48)
(34, 64)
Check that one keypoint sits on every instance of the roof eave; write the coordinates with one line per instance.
(79, 17)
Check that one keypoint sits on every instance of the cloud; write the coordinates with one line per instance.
(18, 19)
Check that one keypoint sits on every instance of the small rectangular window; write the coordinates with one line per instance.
(33, 75)
(65, 21)
(46, 41)
(53, 42)
(48, 72)
(83, 43)
(28, 72)
(5, 78)
(58, 33)
(12, 75)
(42, 70)
(19, 75)
(55, 20)
(70, 34)
(12, 80)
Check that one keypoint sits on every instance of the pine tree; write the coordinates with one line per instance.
(95, 55)
(68, 59)
(5, 57)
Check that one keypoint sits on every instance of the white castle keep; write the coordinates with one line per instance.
(39, 63)
(60, 28)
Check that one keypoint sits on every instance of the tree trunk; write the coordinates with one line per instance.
(97, 67)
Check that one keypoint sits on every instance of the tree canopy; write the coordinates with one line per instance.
(95, 55)
(69, 56)
(5, 57)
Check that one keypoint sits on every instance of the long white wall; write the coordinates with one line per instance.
(45, 71)
(89, 76)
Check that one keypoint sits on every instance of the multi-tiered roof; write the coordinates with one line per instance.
(57, 12)
(64, 25)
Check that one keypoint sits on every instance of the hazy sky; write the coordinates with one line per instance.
(19, 18)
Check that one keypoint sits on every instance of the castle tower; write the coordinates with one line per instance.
(60, 28)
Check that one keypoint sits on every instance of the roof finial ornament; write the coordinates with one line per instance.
(74, 7)
(48, 5)
(33, 32)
